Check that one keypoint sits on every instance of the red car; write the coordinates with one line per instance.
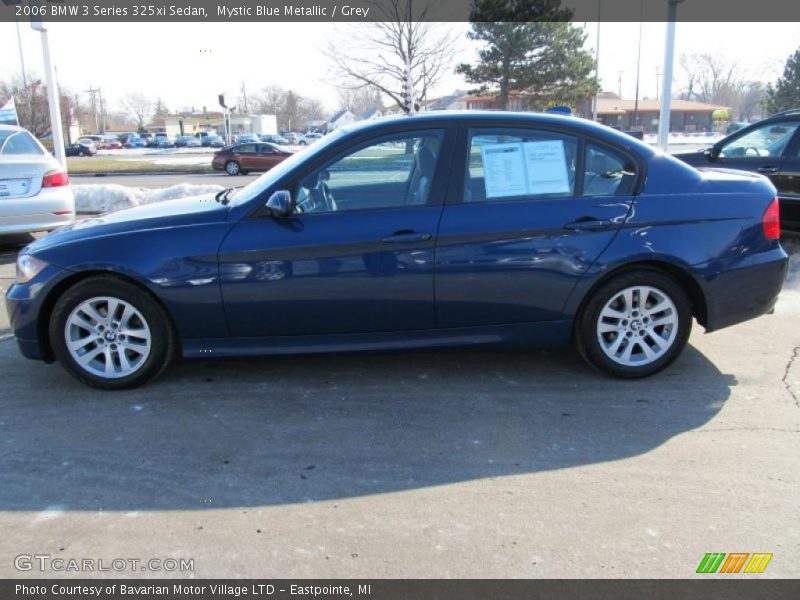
(243, 158)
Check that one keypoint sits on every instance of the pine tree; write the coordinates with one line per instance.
(543, 56)
(785, 94)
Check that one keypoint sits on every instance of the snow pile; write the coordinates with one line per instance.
(108, 197)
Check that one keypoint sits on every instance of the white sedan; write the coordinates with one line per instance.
(35, 193)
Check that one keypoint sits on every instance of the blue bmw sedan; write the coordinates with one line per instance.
(437, 230)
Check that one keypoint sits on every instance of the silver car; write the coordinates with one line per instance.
(35, 193)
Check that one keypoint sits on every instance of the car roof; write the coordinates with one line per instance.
(484, 117)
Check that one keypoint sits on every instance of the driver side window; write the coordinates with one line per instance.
(767, 141)
(395, 171)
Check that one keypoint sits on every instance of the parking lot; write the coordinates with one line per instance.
(445, 464)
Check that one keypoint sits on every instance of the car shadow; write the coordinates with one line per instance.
(240, 433)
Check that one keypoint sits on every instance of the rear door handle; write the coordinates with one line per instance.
(588, 225)
(406, 236)
(767, 169)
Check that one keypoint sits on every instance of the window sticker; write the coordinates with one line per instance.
(546, 166)
(524, 169)
(503, 170)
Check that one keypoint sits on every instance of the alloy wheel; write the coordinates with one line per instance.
(108, 337)
(637, 326)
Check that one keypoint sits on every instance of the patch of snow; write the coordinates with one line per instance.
(107, 197)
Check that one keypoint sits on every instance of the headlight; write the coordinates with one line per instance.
(28, 267)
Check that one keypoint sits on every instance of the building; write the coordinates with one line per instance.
(686, 116)
(192, 123)
(341, 119)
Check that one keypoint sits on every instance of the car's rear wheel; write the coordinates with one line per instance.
(232, 167)
(81, 153)
(109, 334)
(635, 325)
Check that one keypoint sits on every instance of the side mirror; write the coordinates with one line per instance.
(713, 152)
(280, 204)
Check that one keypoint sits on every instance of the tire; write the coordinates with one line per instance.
(303, 143)
(81, 153)
(232, 168)
(613, 314)
(147, 346)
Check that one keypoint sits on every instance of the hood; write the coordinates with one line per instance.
(194, 210)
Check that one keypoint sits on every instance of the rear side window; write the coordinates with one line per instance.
(519, 163)
(607, 172)
(18, 142)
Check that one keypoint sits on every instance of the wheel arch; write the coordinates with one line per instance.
(49, 303)
(682, 276)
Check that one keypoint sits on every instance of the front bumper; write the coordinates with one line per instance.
(25, 304)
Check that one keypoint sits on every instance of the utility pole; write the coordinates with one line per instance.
(102, 111)
(658, 78)
(92, 91)
(638, 66)
(244, 97)
(619, 83)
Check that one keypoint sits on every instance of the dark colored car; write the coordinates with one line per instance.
(243, 158)
(212, 141)
(438, 230)
(80, 150)
(274, 139)
(770, 147)
(187, 141)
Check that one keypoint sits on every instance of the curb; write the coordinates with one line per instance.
(140, 173)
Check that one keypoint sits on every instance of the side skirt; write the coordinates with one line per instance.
(548, 334)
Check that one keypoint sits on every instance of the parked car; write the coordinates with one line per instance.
(96, 139)
(79, 149)
(555, 229)
(35, 193)
(202, 135)
(162, 140)
(136, 142)
(187, 141)
(770, 147)
(274, 139)
(146, 136)
(243, 158)
(309, 138)
(212, 141)
(291, 137)
(245, 138)
(111, 142)
(124, 137)
(88, 141)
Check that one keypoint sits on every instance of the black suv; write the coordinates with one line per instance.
(770, 147)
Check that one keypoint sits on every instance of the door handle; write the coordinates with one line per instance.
(406, 236)
(767, 169)
(588, 225)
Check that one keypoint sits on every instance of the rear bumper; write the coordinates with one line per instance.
(50, 209)
(746, 290)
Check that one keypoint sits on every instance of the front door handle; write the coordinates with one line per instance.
(406, 236)
(767, 169)
(588, 225)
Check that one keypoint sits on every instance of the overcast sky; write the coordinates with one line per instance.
(189, 64)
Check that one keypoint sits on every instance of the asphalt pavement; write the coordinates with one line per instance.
(412, 464)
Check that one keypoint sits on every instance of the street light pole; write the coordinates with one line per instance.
(52, 96)
(666, 86)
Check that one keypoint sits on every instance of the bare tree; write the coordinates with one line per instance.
(30, 100)
(382, 51)
(292, 110)
(360, 101)
(139, 107)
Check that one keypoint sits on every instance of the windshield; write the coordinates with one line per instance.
(275, 173)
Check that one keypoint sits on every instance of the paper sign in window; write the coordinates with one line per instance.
(546, 167)
(504, 170)
(525, 169)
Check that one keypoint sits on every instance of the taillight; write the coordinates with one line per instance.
(55, 179)
(771, 221)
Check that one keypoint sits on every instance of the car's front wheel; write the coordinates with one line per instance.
(232, 167)
(109, 334)
(635, 324)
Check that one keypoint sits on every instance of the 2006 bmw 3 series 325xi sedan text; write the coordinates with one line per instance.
(435, 230)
